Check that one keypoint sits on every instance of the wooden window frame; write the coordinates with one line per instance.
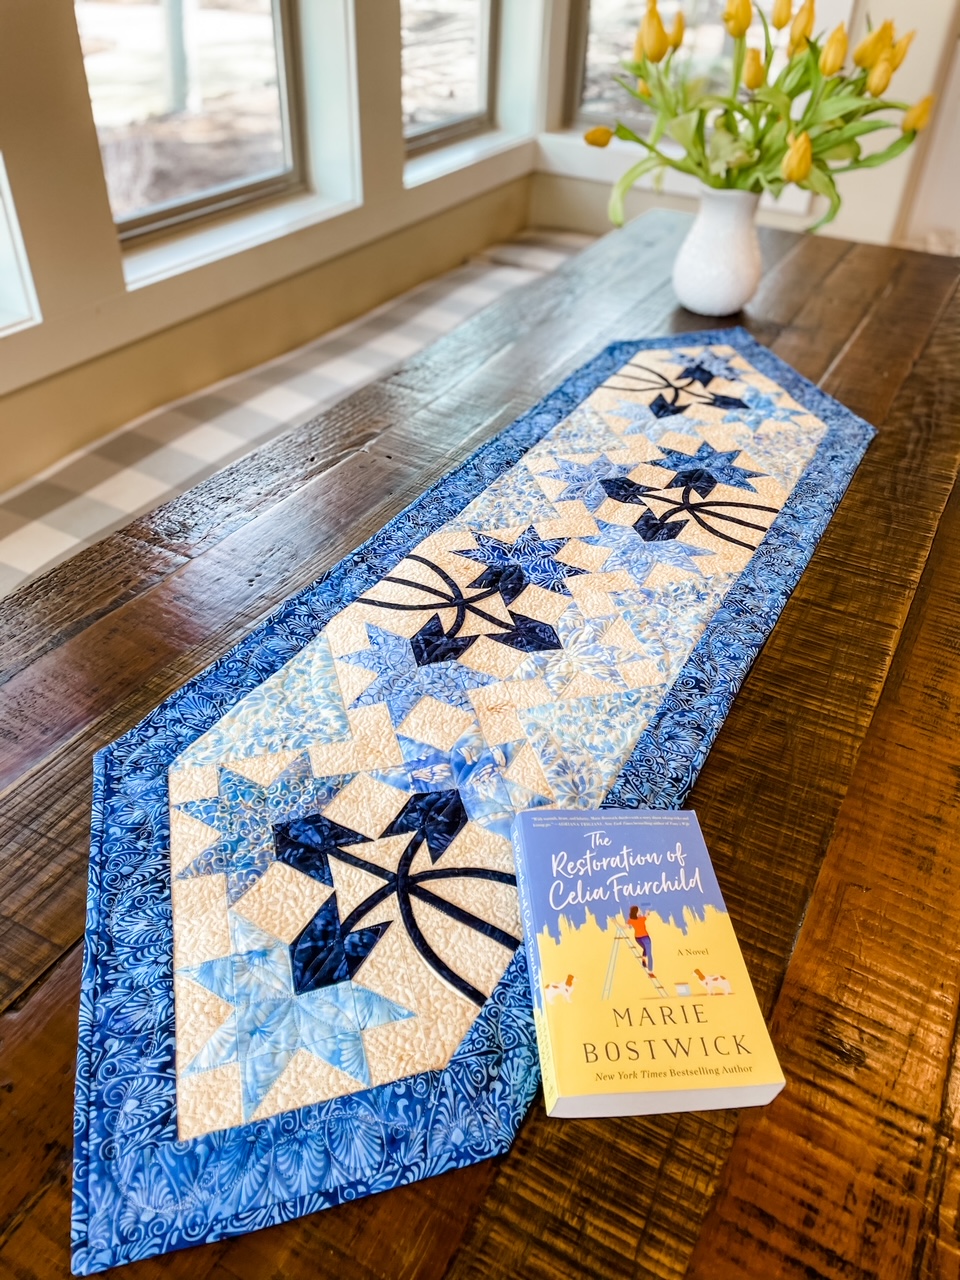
(235, 195)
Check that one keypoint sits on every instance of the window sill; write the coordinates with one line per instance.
(567, 154)
(439, 163)
(186, 250)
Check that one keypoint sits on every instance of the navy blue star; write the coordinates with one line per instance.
(531, 554)
(696, 373)
(705, 469)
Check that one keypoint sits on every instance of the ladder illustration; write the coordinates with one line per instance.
(634, 948)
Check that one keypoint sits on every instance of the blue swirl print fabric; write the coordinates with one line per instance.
(304, 979)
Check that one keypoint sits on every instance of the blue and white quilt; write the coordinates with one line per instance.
(304, 979)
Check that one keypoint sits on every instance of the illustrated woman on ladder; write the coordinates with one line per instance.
(638, 924)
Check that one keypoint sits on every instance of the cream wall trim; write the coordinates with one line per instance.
(580, 204)
(41, 423)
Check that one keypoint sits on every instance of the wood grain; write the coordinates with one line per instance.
(832, 736)
(866, 1022)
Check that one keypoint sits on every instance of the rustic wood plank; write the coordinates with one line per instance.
(866, 1023)
(49, 610)
(47, 703)
(36, 1083)
(767, 799)
(786, 287)
(831, 314)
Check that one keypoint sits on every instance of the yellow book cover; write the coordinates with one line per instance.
(642, 1001)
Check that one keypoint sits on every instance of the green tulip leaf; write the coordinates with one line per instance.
(837, 106)
(844, 151)
(824, 142)
(822, 184)
(881, 157)
(775, 98)
(618, 195)
(684, 130)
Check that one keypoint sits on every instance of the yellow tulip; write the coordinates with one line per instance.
(876, 43)
(834, 52)
(880, 74)
(598, 136)
(802, 28)
(899, 50)
(782, 13)
(643, 88)
(653, 37)
(918, 117)
(737, 17)
(798, 161)
(677, 32)
(754, 72)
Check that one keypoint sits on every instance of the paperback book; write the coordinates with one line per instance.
(642, 1001)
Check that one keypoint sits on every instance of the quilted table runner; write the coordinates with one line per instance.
(303, 978)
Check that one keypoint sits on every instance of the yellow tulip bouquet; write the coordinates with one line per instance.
(804, 126)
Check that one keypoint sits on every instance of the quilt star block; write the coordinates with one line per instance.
(304, 978)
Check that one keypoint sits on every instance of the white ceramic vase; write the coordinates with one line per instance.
(718, 265)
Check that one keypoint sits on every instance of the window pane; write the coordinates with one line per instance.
(186, 97)
(18, 301)
(444, 62)
(612, 29)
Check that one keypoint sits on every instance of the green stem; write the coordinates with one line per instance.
(739, 55)
(812, 105)
(679, 165)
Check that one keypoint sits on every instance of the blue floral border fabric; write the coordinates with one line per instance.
(139, 1188)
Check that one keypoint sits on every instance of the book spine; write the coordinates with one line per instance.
(544, 1046)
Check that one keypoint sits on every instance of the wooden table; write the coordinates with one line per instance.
(831, 803)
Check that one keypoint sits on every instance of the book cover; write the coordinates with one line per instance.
(641, 998)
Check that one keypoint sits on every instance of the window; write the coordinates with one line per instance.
(603, 35)
(18, 300)
(193, 104)
(449, 64)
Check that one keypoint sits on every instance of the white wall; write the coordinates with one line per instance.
(874, 200)
(932, 221)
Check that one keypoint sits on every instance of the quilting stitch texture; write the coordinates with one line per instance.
(337, 1003)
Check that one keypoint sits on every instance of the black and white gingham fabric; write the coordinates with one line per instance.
(78, 501)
